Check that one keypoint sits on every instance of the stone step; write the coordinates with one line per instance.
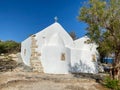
(33, 55)
(34, 42)
(34, 46)
(37, 67)
(34, 58)
(35, 61)
(34, 39)
(36, 70)
(36, 54)
(37, 64)
(33, 50)
(40, 68)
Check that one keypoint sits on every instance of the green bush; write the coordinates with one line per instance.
(9, 47)
(112, 83)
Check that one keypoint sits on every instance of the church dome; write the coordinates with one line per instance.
(56, 40)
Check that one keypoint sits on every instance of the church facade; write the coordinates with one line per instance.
(53, 51)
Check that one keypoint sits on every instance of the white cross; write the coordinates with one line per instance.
(56, 18)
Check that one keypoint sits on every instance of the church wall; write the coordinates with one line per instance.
(68, 53)
(26, 51)
(81, 61)
(75, 59)
(55, 59)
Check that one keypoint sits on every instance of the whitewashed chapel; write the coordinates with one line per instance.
(52, 50)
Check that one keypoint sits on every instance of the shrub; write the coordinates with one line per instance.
(112, 83)
(9, 47)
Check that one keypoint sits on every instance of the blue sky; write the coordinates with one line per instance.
(21, 18)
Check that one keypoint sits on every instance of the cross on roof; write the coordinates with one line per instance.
(56, 18)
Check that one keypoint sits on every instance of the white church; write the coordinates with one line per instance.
(53, 51)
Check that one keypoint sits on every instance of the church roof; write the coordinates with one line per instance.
(81, 43)
(84, 44)
(53, 32)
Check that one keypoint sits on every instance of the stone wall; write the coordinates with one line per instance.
(34, 60)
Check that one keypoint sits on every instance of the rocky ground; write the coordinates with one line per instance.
(21, 77)
(37, 81)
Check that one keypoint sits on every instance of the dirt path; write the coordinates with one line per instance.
(37, 81)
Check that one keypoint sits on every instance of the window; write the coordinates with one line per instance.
(93, 58)
(24, 52)
(63, 56)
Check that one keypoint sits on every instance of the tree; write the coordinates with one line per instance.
(103, 19)
(73, 35)
(9, 47)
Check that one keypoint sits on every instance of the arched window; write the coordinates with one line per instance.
(63, 56)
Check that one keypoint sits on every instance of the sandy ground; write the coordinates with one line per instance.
(22, 78)
(38, 81)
